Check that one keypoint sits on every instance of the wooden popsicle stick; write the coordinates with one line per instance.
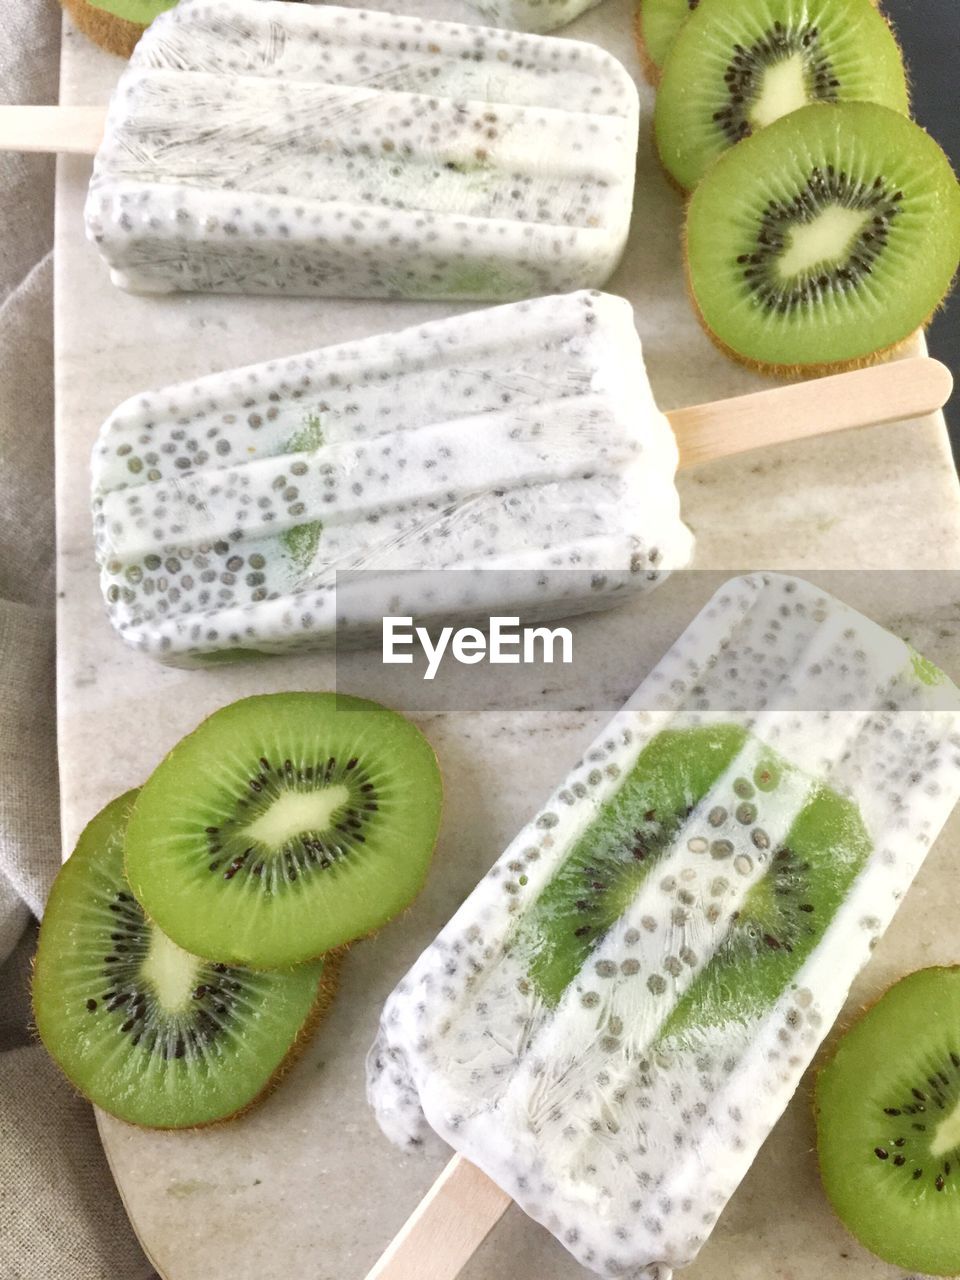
(446, 1228)
(861, 398)
(73, 130)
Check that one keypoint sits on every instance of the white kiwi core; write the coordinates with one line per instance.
(171, 972)
(827, 238)
(783, 89)
(295, 812)
(947, 1136)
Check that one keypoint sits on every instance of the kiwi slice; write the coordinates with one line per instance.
(824, 240)
(149, 1033)
(782, 917)
(115, 25)
(285, 825)
(658, 24)
(607, 865)
(739, 65)
(888, 1125)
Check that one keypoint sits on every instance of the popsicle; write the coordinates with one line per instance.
(257, 146)
(615, 1018)
(262, 508)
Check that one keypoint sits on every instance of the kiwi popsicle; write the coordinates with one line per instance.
(523, 438)
(266, 147)
(613, 1021)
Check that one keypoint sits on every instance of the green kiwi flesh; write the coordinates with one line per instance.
(888, 1125)
(605, 868)
(658, 25)
(824, 240)
(149, 1033)
(141, 12)
(782, 917)
(739, 65)
(285, 825)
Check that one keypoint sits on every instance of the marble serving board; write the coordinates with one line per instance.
(305, 1186)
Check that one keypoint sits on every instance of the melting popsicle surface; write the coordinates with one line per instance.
(265, 147)
(620, 1011)
(523, 438)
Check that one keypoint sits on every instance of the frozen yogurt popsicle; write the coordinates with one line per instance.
(615, 1018)
(522, 438)
(254, 146)
(271, 508)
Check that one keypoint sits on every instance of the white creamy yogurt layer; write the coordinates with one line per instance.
(265, 147)
(520, 446)
(621, 1098)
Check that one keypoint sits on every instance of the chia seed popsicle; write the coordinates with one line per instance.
(523, 438)
(286, 505)
(254, 146)
(616, 1017)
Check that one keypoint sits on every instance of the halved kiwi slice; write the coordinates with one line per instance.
(149, 1033)
(782, 916)
(285, 825)
(825, 240)
(607, 865)
(739, 65)
(888, 1125)
(115, 25)
(658, 24)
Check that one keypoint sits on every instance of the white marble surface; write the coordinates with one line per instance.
(305, 1186)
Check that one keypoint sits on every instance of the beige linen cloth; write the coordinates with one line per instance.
(60, 1215)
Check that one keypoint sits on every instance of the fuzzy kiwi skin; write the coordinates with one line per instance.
(651, 72)
(897, 1257)
(116, 35)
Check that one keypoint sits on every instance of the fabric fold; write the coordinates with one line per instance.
(60, 1214)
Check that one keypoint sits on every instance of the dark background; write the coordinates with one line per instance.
(929, 32)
